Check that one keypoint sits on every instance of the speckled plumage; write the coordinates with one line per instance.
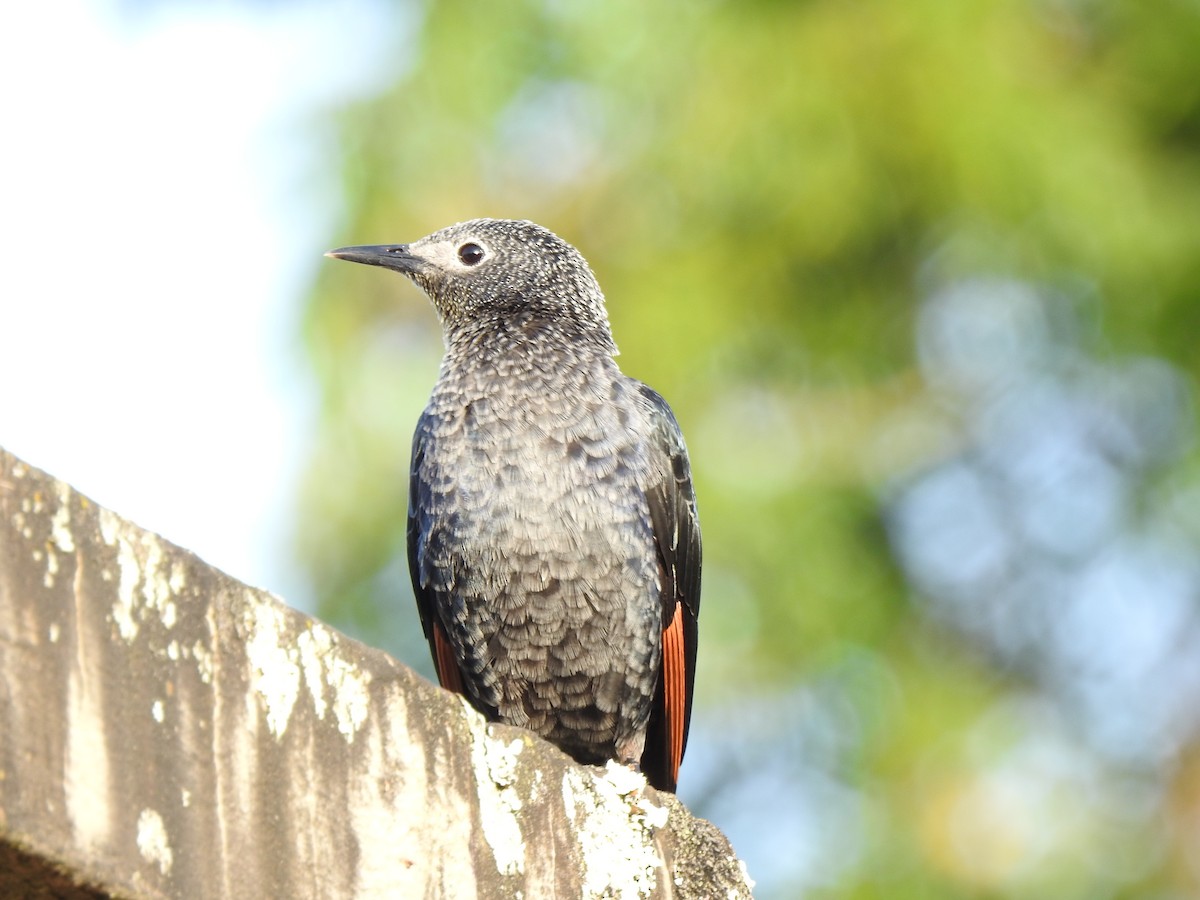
(552, 535)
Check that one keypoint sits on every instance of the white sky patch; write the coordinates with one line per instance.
(160, 219)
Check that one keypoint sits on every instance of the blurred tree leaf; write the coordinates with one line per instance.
(768, 191)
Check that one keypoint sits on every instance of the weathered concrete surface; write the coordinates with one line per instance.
(166, 731)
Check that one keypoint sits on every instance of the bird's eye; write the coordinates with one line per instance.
(470, 254)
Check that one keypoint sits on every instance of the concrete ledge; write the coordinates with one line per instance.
(166, 731)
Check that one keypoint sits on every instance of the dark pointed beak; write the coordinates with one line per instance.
(390, 256)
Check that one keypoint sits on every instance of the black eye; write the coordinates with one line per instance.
(470, 254)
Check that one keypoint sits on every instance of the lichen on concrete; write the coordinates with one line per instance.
(616, 838)
(140, 563)
(351, 699)
(326, 668)
(51, 568)
(275, 672)
(177, 580)
(313, 643)
(734, 893)
(130, 573)
(60, 531)
(203, 656)
(152, 840)
(156, 586)
(499, 801)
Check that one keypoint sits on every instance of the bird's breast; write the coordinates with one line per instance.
(539, 485)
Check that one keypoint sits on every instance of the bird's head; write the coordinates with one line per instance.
(489, 272)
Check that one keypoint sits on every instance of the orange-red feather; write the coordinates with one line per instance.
(675, 693)
(443, 660)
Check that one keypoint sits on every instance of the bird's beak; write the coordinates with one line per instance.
(390, 256)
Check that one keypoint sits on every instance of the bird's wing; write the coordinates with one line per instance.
(676, 528)
(448, 673)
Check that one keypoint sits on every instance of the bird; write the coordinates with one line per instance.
(553, 540)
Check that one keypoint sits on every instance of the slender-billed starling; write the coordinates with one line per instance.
(552, 533)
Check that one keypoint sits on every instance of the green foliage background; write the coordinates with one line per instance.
(769, 191)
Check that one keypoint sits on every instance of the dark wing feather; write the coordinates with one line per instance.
(676, 528)
(448, 673)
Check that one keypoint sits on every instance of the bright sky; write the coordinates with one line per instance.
(162, 205)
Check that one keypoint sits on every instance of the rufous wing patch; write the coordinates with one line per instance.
(674, 675)
(444, 661)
